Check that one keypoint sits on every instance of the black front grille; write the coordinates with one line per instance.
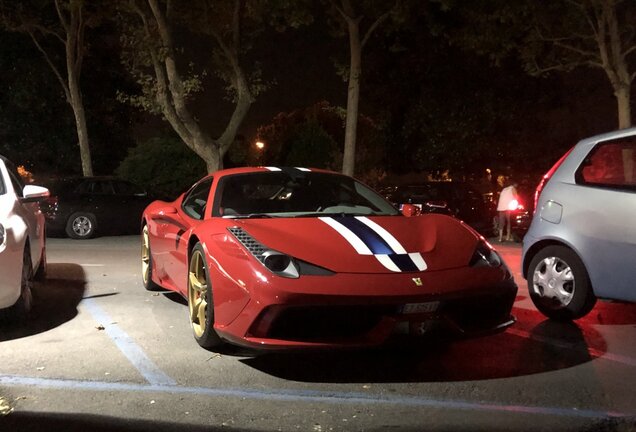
(480, 312)
(316, 323)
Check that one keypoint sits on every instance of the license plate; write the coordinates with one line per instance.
(414, 308)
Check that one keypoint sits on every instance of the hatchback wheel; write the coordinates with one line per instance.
(81, 225)
(201, 300)
(559, 285)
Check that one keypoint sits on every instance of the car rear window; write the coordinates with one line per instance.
(610, 164)
(62, 187)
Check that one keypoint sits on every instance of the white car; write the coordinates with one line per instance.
(22, 241)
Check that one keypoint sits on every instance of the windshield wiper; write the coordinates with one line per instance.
(333, 214)
(254, 216)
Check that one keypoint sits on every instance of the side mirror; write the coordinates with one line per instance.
(163, 211)
(32, 193)
(409, 210)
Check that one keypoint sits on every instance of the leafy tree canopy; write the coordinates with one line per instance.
(163, 165)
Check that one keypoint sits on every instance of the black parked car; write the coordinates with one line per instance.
(453, 198)
(83, 206)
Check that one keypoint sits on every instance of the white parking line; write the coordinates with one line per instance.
(128, 347)
(312, 396)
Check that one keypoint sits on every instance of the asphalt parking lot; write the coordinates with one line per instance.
(101, 353)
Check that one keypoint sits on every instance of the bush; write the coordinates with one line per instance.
(310, 145)
(164, 166)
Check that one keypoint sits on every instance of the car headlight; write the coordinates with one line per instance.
(280, 264)
(277, 262)
(485, 255)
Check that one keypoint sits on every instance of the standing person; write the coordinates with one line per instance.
(508, 202)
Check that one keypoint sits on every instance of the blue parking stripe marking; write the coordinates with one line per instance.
(128, 347)
(311, 396)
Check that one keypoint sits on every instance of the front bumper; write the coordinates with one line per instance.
(321, 320)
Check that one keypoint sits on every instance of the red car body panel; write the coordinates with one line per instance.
(250, 302)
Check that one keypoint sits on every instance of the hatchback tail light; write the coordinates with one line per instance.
(546, 177)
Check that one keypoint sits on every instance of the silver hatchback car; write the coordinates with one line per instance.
(581, 244)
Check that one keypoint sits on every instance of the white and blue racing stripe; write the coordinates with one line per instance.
(271, 168)
(369, 238)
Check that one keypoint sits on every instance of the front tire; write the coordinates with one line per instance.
(201, 300)
(22, 307)
(40, 273)
(146, 262)
(559, 285)
(81, 225)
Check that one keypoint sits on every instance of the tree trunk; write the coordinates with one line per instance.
(208, 150)
(74, 56)
(353, 98)
(172, 99)
(623, 100)
(80, 123)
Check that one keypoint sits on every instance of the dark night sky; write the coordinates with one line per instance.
(300, 65)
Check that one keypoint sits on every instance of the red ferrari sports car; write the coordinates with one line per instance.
(296, 258)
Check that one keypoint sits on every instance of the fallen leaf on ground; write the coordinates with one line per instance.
(5, 408)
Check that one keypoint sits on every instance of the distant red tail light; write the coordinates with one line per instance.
(49, 204)
(546, 177)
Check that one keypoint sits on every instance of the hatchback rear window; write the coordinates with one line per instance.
(610, 164)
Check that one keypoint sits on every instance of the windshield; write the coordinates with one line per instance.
(280, 194)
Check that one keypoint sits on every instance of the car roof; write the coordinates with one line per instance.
(566, 171)
(621, 133)
(245, 170)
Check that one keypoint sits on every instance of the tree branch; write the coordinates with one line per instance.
(244, 96)
(574, 49)
(174, 78)
(374, 26)
(236, 29)
(162, 95)
(340, 11)
(55, 70)
(79, 44)
(60, 15)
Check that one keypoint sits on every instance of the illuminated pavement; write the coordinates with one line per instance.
(104, 354)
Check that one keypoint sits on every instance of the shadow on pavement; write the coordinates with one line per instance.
(547, 346)
(45, 422)
(611, 313)
(175, 297)
(55, 302)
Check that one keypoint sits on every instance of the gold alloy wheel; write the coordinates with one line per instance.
(197, 293)
(145, 255)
